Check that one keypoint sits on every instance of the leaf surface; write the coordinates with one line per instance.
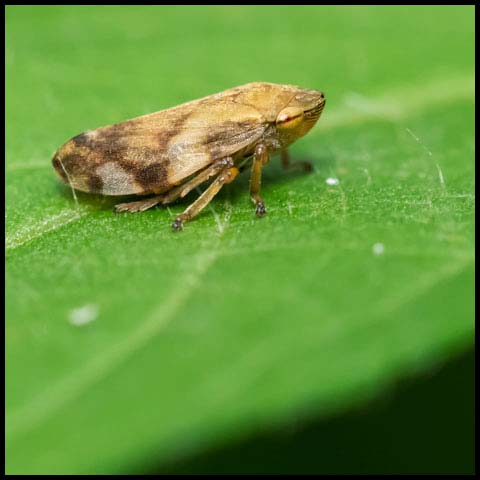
(129, 346)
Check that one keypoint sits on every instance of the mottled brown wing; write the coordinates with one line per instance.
(150, 154)
(217, 129)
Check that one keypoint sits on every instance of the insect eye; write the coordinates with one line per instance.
(289, 117)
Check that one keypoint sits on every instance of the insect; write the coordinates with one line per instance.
(169, 153)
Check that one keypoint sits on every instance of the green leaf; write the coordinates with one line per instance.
(128, 346)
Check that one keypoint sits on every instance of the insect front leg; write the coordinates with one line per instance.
(261, 156)
(227, 175)
(287, 165)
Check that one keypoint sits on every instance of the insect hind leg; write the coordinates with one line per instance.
(203, 176)
(227, 175)
(178, 192)
(139, 205)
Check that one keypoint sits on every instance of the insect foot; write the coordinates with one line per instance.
(177, 225)
(260, 210)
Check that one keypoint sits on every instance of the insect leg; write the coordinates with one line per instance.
(260, 158)
(204, 175)
(138, 206)
(227, 175)
(305, 166)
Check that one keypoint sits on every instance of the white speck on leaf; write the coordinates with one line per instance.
(332, 181)
(378, 248)
(83, 315)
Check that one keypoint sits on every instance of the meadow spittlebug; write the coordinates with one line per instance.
(169, 153)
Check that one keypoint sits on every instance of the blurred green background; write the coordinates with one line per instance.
(334, 335)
